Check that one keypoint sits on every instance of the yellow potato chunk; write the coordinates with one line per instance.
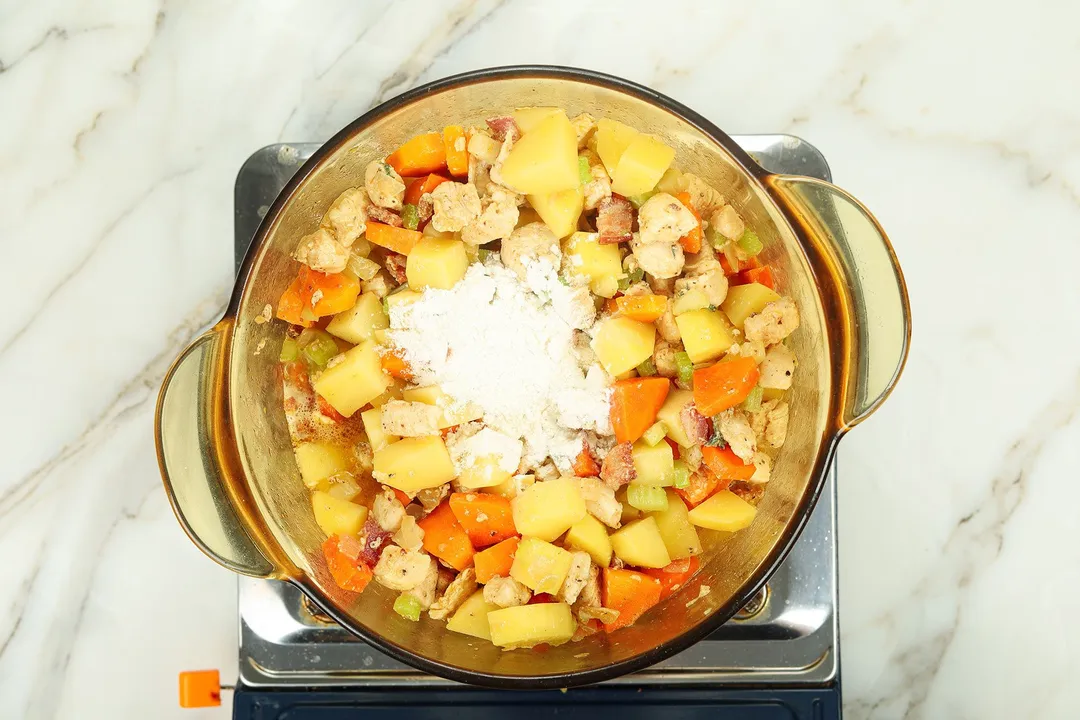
(335, 516)
(560, 210)
(654, 464)
(640, 544)
(529, 117)
(378, 437)
(693, 299)
(547, 509)
(742, 301)
(472, 617)
(641, 165)
(414, 464)
(670, 412)
(402, 297)
(318, 461)
(612, 139)
(452, 412)
(354, 381)
(529, 625)
(680, 537)
(723, 511)
(484, 472)
(705, 334)
(590, 535)
(360, 322)
(621, 344)
(540, 566)
(392, 392)
(545, 159)
(600, 264)
(436, 263)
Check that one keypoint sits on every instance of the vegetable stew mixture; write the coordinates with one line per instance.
(527, 364)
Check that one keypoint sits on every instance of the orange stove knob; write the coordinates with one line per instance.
(200, 688)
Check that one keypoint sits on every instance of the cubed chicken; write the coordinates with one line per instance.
(529, 244)
(600, 500)
(737, 433)
(402, 570)
(347, 217)
(455, 205)
(774, 323)
(659, 259)
(456, 593)
(777, 368)
(618, 467)
(497, 220)
(321, 252)
(384, 186)
(506, 592)
(663, 219)
(598, 188)
(727, 222)
(577, 577)
(712, 283)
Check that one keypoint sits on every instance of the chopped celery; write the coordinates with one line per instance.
(654, 434)
(646, 498)
(386, 307)
(407, 607)
(624, 283)
(750, 243)
(637, 275)
(685, 368)
(483, 254)
(646, 368)
(317, 346)
(410, 216)
(583, 169)
(682, 474)
(638, 200)
(713, 236)
(289, 351)
(752, 403)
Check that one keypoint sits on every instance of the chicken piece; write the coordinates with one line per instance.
(755, 349)
(777, 368)
(506, 592)
(713, 283)
(576, 578)
(547, 471)
(430, 498)
(702, 261)
(664, 358)
(530, 244)
(727, 222)
(425, 207)
(615, 221)
(600, 501)
(695, 425)
(762, 468)
(590, 592)
(386, 217)
(365, 458)
(504, 152)
(693, 457)
(584, 124)
(388, 511)
(659, 259)
(597, 189)
(409, 535)
(497, 220)
(582, 347)
(736, 431)
(479, 173)
(774, 323)
(669, 330)
(380, 285)
(503, 127)
(660, 286)
(428, 587)
(456, 593)
(455, 206)
(638, 288)
(395, 265)
(410, 419)
(770, 423)
(347, 217)
(384, 186)
(618, 467)
(321, 252)
(663, 220)
(402, 570)
(703, 197)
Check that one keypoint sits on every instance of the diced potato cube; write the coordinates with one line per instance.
(318, 461)
(589, 535)
(402, 297)
(514, 486)
(547, 509)
(640, 544)
(545, 159)
(723, 511)
(452, 412)
(436, 263)
(612, 139)
(671, 182)
(742, 301)
(540, 566)
(560, 210)
(680, 537)
(354, 381)
(393, 392)
(529, 625)
(670, 415)
(378, 437)
(654, 464)
(600, 264)
(622, 344)
(693, 299)
(641, 165)
(484, 472)
(629, 512)
(472, 617)
(337, 517)
(705, 334)
(414, 464)
(361, 321)
(529, 117)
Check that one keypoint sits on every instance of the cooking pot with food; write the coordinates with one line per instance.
(224, 445)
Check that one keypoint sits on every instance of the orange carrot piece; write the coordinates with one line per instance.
(634, 404)
(446, 539)
(486, 517)
(691, 241)
(403, 498)
(457, 160)
(423, 185)
(643, 308)
(585, 465)
(724, 385)
(762, 275)
(631, 593)
(727, 267)
(496, 560)
(611, 305)
(400, 240)
(394, 365)
(702, 486)
(675, 575)
(349, 574)
(421, 155)
(725, 464)
(292, 303)
(338, 291)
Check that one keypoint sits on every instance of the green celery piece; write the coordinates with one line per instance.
(320, 348)
(583, 170)
(638, 200)
(646, 368)
(682, 474)
(407, 607)
(685, 367)
(637, 275)
(483, 254)
(289, 351)
(410, 216)
(752, 403)
(646, 498)
(750, 242)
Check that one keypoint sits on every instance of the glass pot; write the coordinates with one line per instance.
(225, 452)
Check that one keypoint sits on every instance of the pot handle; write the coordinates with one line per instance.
(870, 289)
(194, 474)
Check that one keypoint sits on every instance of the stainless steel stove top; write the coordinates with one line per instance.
(786, 636)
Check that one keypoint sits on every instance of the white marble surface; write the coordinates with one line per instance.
(123, 125)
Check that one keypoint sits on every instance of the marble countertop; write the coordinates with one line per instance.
(124, 124)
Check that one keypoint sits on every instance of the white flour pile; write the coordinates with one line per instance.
(505, 346)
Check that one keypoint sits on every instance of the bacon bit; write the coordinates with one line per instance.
(618, 468)
(425, 207)
(748, 491)
(395, 265)
(328, 410)
(697, 426)
(350, 546)
(614, 220)
(502, 126)
(539, 598)
(373, 539)
(384, 216)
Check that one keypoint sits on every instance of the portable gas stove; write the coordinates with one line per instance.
(778, 658)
